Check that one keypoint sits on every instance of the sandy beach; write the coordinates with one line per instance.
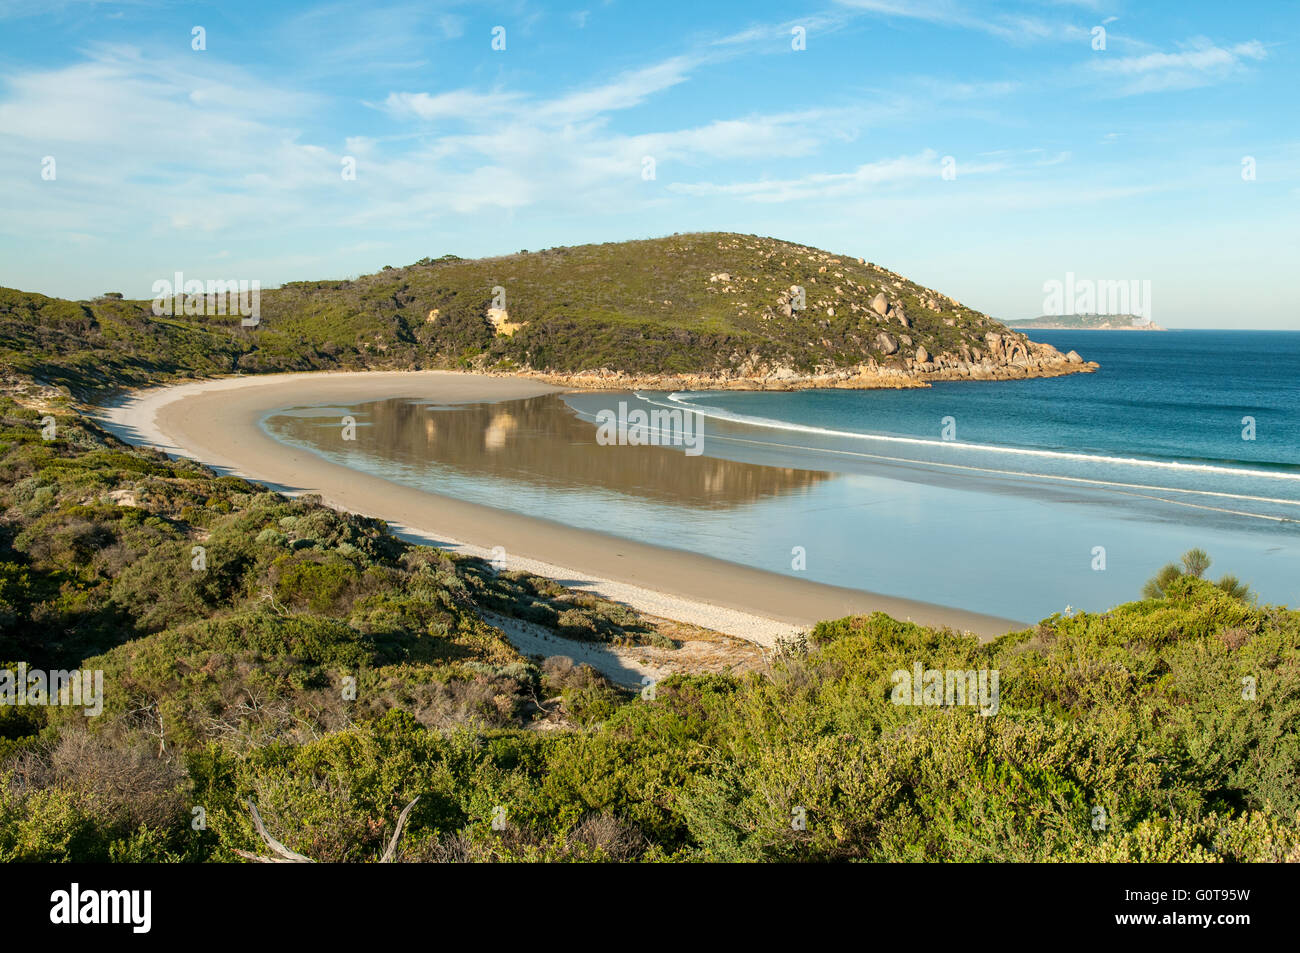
(217, 422)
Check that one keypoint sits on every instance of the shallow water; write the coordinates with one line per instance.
(1045, 482)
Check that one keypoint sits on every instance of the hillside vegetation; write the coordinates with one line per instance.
(720, 307)
(331, 673)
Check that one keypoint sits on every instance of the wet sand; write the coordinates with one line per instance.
(217, 423)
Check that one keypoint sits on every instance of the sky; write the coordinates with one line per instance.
(985, 149)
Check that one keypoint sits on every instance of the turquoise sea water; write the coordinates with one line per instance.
(1000, 497)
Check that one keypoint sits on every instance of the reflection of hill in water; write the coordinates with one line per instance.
(540, 440)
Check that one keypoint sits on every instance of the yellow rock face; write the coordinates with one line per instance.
(501, 323)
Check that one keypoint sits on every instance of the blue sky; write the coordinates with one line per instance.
(1115, 164)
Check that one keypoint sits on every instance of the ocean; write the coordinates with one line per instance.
(1014, 498)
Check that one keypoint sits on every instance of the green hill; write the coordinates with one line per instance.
(722, 309)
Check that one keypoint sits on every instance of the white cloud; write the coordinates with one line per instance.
(1010, 27)
(1201, 64)
(458, 104)
(625, 91)
(822, 186)
(884, 178)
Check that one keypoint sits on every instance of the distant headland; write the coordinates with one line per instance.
(1086, 322)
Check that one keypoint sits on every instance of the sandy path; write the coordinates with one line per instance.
(217, 423)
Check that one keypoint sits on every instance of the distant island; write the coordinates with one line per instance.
(1086, 322)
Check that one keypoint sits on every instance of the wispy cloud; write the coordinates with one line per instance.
(1201, 63)
(1012, 27)
(13, 9)
(623, 92)
(821, 186)
(872, 179)
(462, 104)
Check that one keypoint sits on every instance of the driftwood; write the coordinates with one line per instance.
(286, 856)
(397, 831)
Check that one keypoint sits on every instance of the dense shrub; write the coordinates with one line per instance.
(330, 673)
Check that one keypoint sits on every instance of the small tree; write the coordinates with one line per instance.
(1195, 562)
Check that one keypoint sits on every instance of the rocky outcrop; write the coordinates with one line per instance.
(788, 301)
(868, 376)
(1005, 348)
(999, 355)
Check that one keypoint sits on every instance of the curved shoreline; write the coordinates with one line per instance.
(217, 422)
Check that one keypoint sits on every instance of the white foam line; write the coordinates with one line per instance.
(1024, 473)
(1039, 476)
(718, 413)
